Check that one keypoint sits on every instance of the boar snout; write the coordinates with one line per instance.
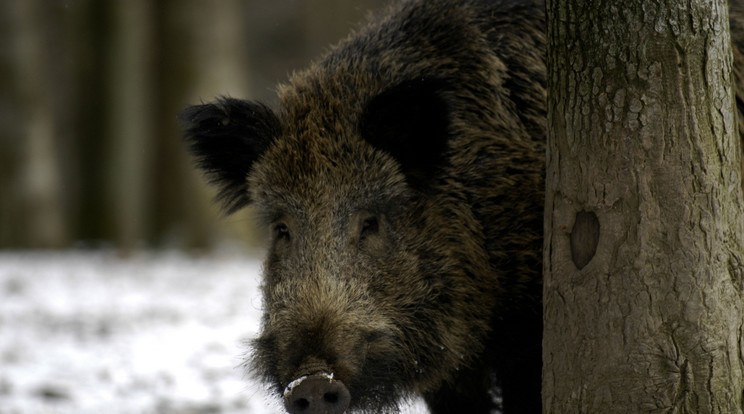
(316, 394)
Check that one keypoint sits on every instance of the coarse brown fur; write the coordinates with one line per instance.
(402, 178)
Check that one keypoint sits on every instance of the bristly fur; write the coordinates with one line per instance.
(226, 138)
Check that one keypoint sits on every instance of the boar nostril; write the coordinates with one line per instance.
(330, 397)
(317, 394)
(301, 404)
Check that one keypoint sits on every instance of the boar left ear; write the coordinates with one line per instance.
(226, 138)
(410, 121)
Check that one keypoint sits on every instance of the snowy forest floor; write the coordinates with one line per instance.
(160, 333)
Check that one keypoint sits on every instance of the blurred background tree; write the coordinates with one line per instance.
(90, 148)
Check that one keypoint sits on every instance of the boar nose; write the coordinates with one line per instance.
(316, 394)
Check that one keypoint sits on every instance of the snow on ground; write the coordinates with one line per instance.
(161, 333)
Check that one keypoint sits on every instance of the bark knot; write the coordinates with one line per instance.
(584, 238)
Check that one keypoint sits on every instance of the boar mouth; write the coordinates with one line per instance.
(376, 387)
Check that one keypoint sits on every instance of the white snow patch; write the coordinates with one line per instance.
(298, 381)
(292, 385)
(85, 332)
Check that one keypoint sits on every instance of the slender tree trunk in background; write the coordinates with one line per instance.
(7, 144)
(131, 125)
(643, 235)
(32, 207)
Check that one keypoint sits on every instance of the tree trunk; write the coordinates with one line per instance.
(32, 207)
(643, 251)
(131, 122)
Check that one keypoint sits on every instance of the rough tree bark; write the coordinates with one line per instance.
(643, 233)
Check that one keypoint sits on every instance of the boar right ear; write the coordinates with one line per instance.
(410, 121)
(226, 138)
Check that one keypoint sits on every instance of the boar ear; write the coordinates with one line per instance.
(226, 138)
(410, 121)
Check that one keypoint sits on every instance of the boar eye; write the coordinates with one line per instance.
(281, 232)
(369, 226)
